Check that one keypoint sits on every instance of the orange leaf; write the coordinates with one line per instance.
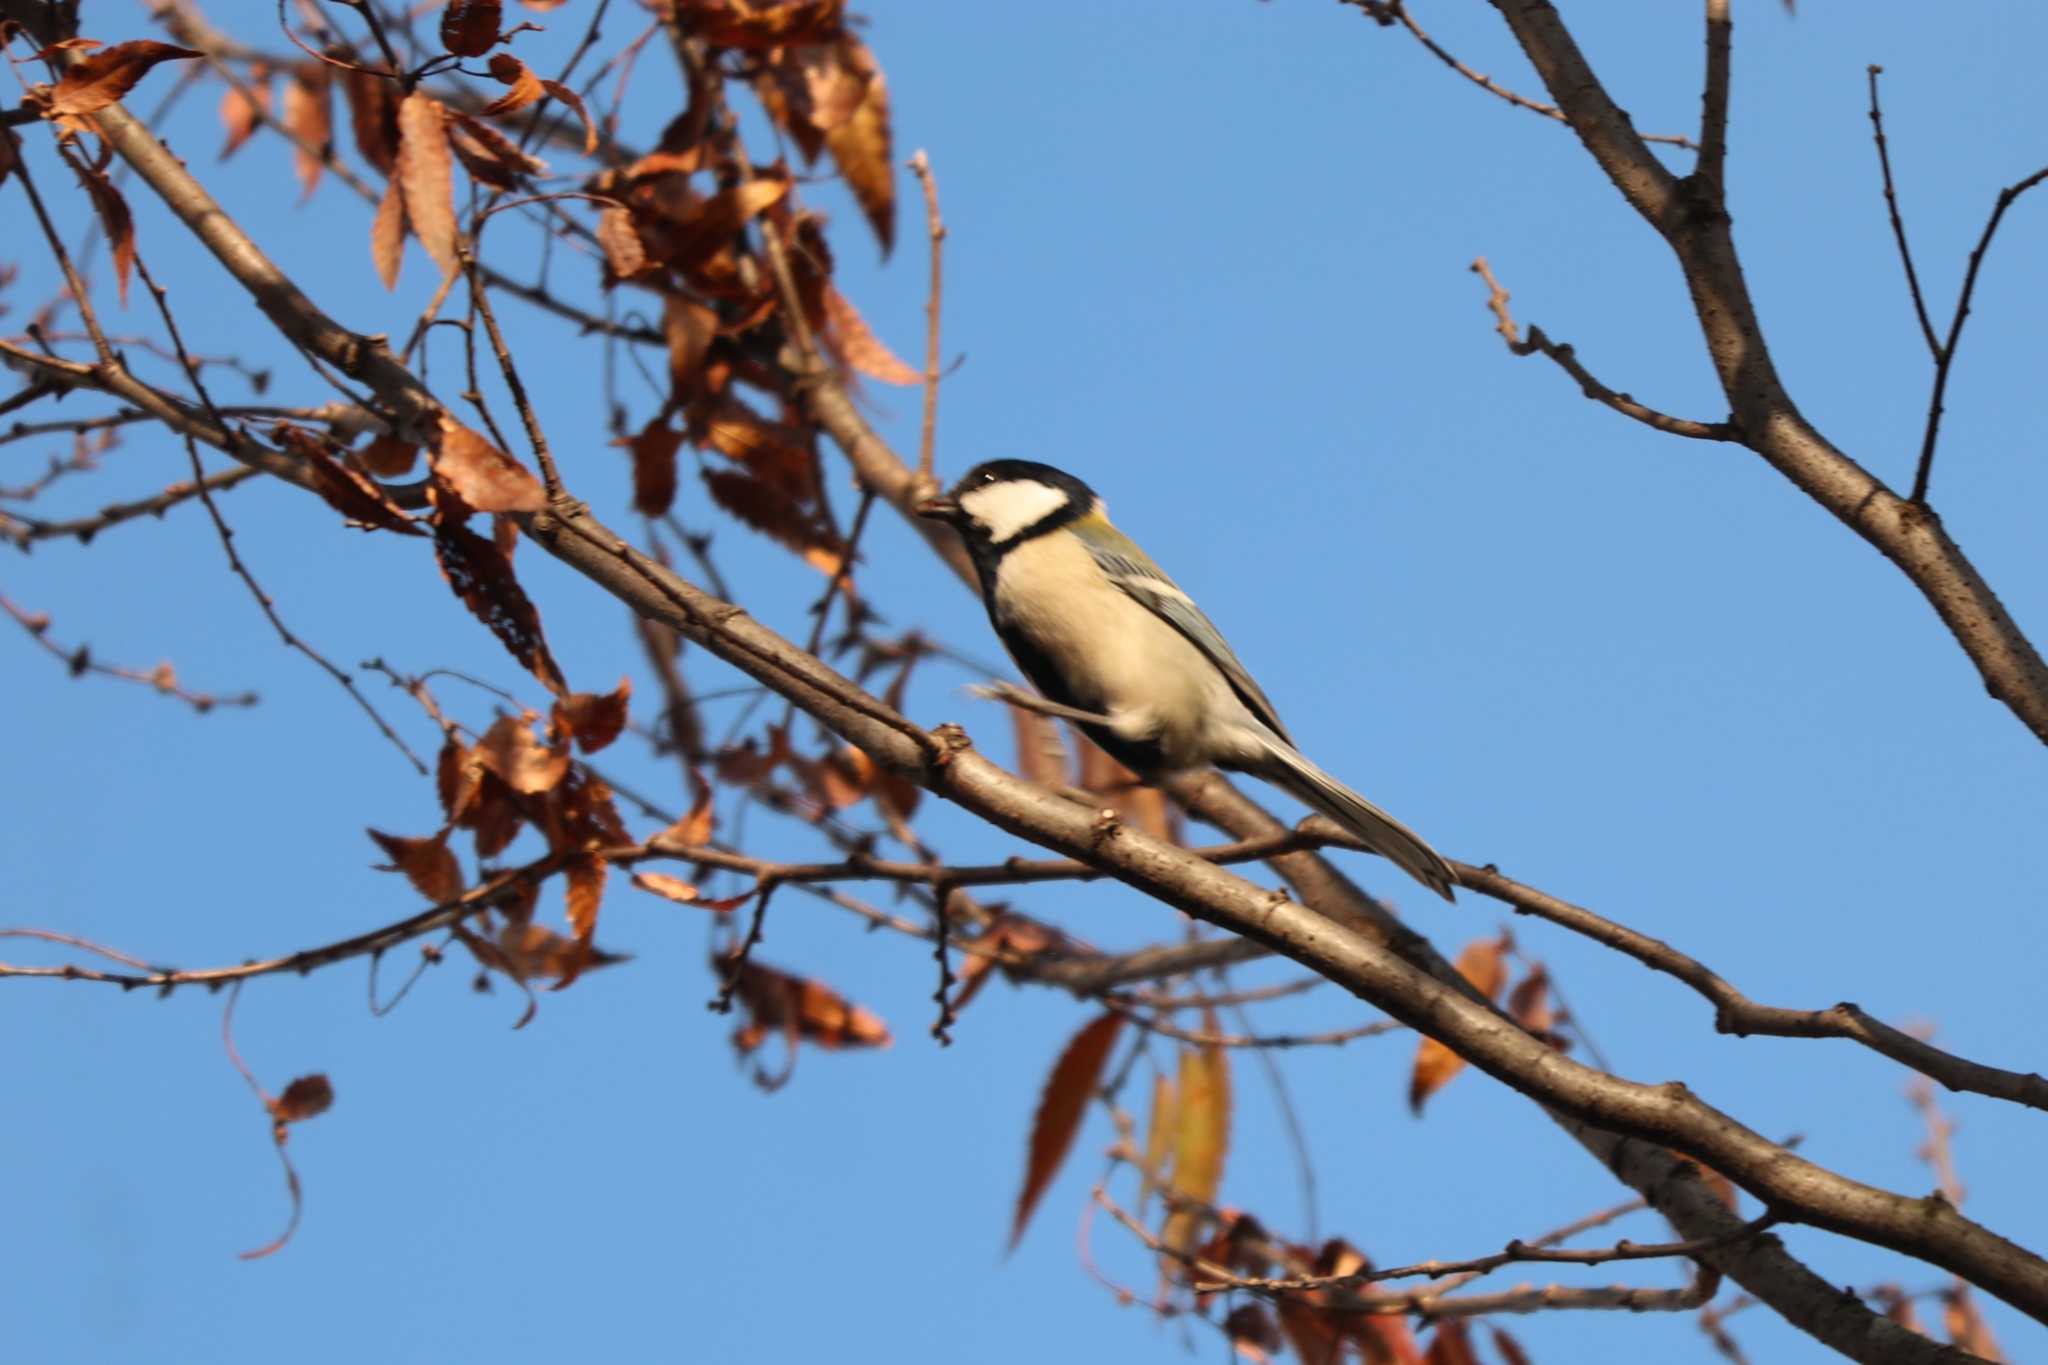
(860, 347)
(94, 82)
(689, 328)
(387, 235)
(349, 493)
(667, 887)
(575, 101)
(1450, 1345)
(1251, 1331)
(624, 252)
(585, 875)
(483, 476)
(489, 155)
(510, 752)
(1510, 1350)
(1159, 1130)
(241, 113)
(306, 1097)
(596, 718)
(429, 864)
(1201, 1135)
(425, 174)
(1482, 963)
(654, 466)
(115, 219)
(388, 457)
(529, 951)
(768, 509)
(469, 28)
(373, 116)
(507, 69)
(1311, 1332)
(860, 145)
(309, 117)
(695, 827)
(1073, 1082)
(760, 27)
(479, 574)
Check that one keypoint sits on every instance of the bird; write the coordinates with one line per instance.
(1117, 647)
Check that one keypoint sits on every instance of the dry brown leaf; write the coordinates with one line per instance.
(760, 25)
(775, 451)
(512, 753)
(1252, 1333)
(689, 328)
(531, 952)
(780, 1002)
(478, 573)
(359, 499)
(426, 175)
(1076, 1076)
(241, 113)
(387, 235)
(654, 450)
(768, 509)
(1159, 1130)
(860, 347)
(94, 82)
(623, 250)
(388, 457)
(667, 887)
(483, 476)
(306, 1097)
(596, 718)
(429, 864)
(309, 117)
(695, 826)
(1201, 1135)
(860, 146)
(569, 97)
(115, 219)
(1450, 1345)
(507, 69)
(488, 154)
(1483, 963)
(458, 778)
(373, 117)
(585, 876)
(469, 28)
(1509, 1350)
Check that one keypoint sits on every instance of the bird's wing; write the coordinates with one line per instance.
(1132, 570)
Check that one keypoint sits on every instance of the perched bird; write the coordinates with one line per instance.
(1119, 649)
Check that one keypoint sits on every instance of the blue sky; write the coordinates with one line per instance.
(1213, 258)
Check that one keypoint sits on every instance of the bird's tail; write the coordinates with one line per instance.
(1287, 768)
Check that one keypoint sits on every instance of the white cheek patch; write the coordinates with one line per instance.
(1004, 509)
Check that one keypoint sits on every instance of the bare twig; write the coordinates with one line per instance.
(80, 661)
(113, 514)
(921, 166)
(1567, 360)
(1891, 203)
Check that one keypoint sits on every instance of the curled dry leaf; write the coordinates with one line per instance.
(1509, 1349)
(479, 574)
(1201, 1135)
(569, 97)
(429, 864)
(1076, 1076)
(510, 752)
(373, 118)
(115, 218)
(242, 113)
(305, 1098)
(483, 476)
(585, 877)
(488, 154)
(531, 952)
(772, 511)
(595, 719)
(776, 1002)
(760, 25)
(1251, 1331)
(847, 332)
(388, 457)
(387, 234)
(624, 253)
(94, 82)
(426, 176)
(1483, 963)
(526, 89)
(469, 28)
(654, 450)
(359, 499)
(1451, 1345)
(309, 117)
(689, 327)
(667, 887)
(695, 826)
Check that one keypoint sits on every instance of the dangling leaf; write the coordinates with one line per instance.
(1075, 1077)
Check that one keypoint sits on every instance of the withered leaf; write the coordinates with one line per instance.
(483, 476)
(769, 509)
(569, 97)
(530, 951)
(1509, 1349)
(774, 451)
(760, 25)
(585, 875)
(241, 113)
(309, 117)
(860, 145)
(512, 753)
(689, 328)
(1201, 1134)
(1310, 1331)
(488, 154)
(667, 887)
(458, 779)
(820, 1014)
(478, 573)
(861, 348)
(118, 223)
(426, 176)
(469, 28)
(388, 457)
(387, 234)
(306, 1097)
(96, 81)
(1450, 1345)
(347, 492)
(507, 69)
(1159, 1130)
(695, 826)
(623, 250)
(654, 450)
(596, 718)
(429, 864)
(1075, 1077)
(1965, 1324)
(373, 117)
(1482, 963)
(1251, 1330)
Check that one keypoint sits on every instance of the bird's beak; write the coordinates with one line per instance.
(938, 509)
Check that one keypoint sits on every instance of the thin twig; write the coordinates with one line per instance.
(1713, 158)
(113, 514)
(163, 678)
(1891, 203)
(1567, 360)
(921, 166)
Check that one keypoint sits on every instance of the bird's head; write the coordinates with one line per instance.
(1005, 501)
